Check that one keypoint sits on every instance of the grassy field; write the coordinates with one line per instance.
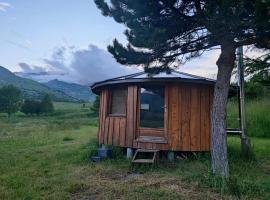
(257, 116)
(47, 157)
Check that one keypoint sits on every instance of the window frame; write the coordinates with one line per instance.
(110, 102)
(145, 129)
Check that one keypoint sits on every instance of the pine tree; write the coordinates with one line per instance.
(46, 105)
(10, 99)
(161, 33)
(258, 69)
(258, 72)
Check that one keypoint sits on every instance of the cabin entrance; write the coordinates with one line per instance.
(152, 109)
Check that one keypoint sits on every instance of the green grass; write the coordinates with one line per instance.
(68, 106)
(47, 157)
(257, 117)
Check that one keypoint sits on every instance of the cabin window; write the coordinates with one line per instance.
(152, 107)
(118, 104)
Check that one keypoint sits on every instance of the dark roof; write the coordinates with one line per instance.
(143, 77)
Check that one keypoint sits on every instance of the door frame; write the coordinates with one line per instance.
(163, 131)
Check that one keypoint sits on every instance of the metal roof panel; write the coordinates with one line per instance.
(145, 77)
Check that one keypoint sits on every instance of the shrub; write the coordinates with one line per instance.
(253, 90)
(46, 105)
(31, 107)
(10, 99)
(67, 138)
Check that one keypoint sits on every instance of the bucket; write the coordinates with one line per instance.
(104, 153)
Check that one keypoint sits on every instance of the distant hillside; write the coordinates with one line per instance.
(30, 88)
(74, 90)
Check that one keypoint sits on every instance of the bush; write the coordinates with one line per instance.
(31, 107)
(67, 138)
(35, 107)
(10, 99)
(253, 90)
(46, 105)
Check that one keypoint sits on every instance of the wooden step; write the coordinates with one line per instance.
(151, 160)
(143, 161)
(147, 150)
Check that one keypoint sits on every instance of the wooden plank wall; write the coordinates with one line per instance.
(131, 115)
(188, 127)
(189, 110)
(112, 130)
(102, 116)
(118, 130)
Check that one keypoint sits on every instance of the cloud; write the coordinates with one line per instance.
(17, 44)
(91, 64)
(4, 6)
(204, 65)
(32, 69)
(95, 64)
(39, 73)
(19, 40)
(82, 66)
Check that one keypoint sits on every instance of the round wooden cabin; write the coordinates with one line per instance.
(161, 112)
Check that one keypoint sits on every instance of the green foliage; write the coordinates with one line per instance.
(10, 99)
(46, 105)
(253, 90)
(35, 107)
(258, 68)
(95, 106)
(257, 117)
(258, 72)
(89, 150)
(31, 107)
(159, 33)
(67, 138)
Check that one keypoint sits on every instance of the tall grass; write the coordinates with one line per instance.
(47, 157)
(257, 117)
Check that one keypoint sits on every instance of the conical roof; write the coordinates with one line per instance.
(143, 77)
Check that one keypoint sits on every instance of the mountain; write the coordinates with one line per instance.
(31, 89)
(74, 90)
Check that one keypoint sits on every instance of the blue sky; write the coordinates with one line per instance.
(32, 29)
(67, 39)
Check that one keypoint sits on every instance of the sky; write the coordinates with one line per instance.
(67, 40)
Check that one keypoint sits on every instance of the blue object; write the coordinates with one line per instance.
(96, 158)
(170, 156)
(129, 152)
(104, 152)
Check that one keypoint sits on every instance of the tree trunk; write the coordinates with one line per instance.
(219, 155)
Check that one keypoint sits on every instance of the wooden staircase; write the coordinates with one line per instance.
(145, 156)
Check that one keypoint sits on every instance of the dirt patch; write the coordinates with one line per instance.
(132, 185)
(132, 176)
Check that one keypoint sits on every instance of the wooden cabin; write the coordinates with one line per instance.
(168, 112)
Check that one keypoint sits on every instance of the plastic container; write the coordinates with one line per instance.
(104, 153)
